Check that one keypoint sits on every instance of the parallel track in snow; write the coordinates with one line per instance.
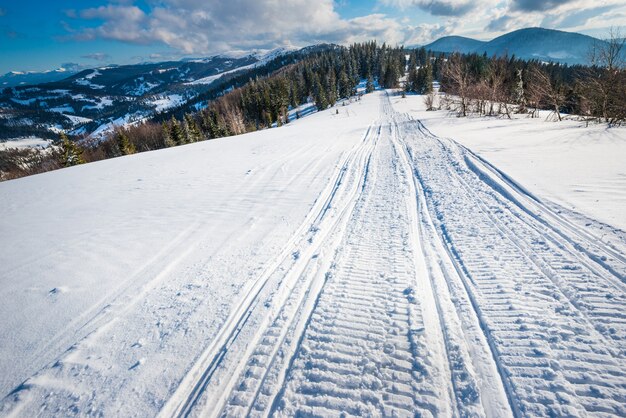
(423, 283)
(551, 312)
(201, 388)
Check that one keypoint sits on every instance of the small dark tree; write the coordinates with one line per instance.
(70, 154)
(167, 136)
(123, 143)
(176, 132)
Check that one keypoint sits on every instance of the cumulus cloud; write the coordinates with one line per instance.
(556, 14)
(438, 7)
(217, 26)
(238, 26)
(537, 5)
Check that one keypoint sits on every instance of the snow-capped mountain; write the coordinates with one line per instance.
(530, 43)
(21, 78)
(95, 100)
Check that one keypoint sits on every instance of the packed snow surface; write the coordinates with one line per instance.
(580, 167)
(351, 264)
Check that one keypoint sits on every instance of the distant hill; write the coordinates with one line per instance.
(530, 43)
(20, 78)
(455, 44)
(94, 101)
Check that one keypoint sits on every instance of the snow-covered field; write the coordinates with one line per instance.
(581, 168)
(27, 142)
(353, 264)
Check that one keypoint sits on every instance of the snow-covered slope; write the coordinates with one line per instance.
(18, 78)
(346, 264)
(179, 234)
(581, 168)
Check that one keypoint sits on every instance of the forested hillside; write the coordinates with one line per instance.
(472, 83)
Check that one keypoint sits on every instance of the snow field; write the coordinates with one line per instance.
(544, 297)
(344, 265)
(148, 255)
(579, 168)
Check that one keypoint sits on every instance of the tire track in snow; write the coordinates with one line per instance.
(366, 349)
(193, 389)
(479, 387)
(554, 360)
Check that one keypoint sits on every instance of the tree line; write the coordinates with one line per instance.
(473, 83)
(502, 85)
(321, 78)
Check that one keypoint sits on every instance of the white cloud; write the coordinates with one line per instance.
(217, 26)
(234, 26)
(556, 14)
(438, 7)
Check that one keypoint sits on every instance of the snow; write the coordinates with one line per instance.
(128, 119)
(263, 58)
(62, 109)
(580, 168)
(28, 142)
(100, 104)
(93, 74)
(86, 80)
(76, 120)
(143, 88)
(114, 230)
(167, 102)
(349, 262)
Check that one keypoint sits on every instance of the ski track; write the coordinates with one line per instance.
(551, 308)
(423, 282)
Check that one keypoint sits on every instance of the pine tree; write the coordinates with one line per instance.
(428, 79)
(319, 95)
(345, 86)
(411, 82)
(193, 132)
(71, 154)
(331, 88)
(167, 136)
(124, 144)
(176, 132)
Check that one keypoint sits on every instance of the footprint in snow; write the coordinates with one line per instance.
(55, 291)
(137, 364)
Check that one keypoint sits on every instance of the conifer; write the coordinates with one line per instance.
(124, 144)
(71, 154)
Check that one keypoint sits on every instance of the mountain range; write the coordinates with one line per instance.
(540, 44)
(92, 101)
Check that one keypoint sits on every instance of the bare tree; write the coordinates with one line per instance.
(429, 101)
(457, 72)
(604, 85)
(608, 54)
(543, 92)
(496, 78)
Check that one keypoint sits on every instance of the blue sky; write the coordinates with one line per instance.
(40, 35)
